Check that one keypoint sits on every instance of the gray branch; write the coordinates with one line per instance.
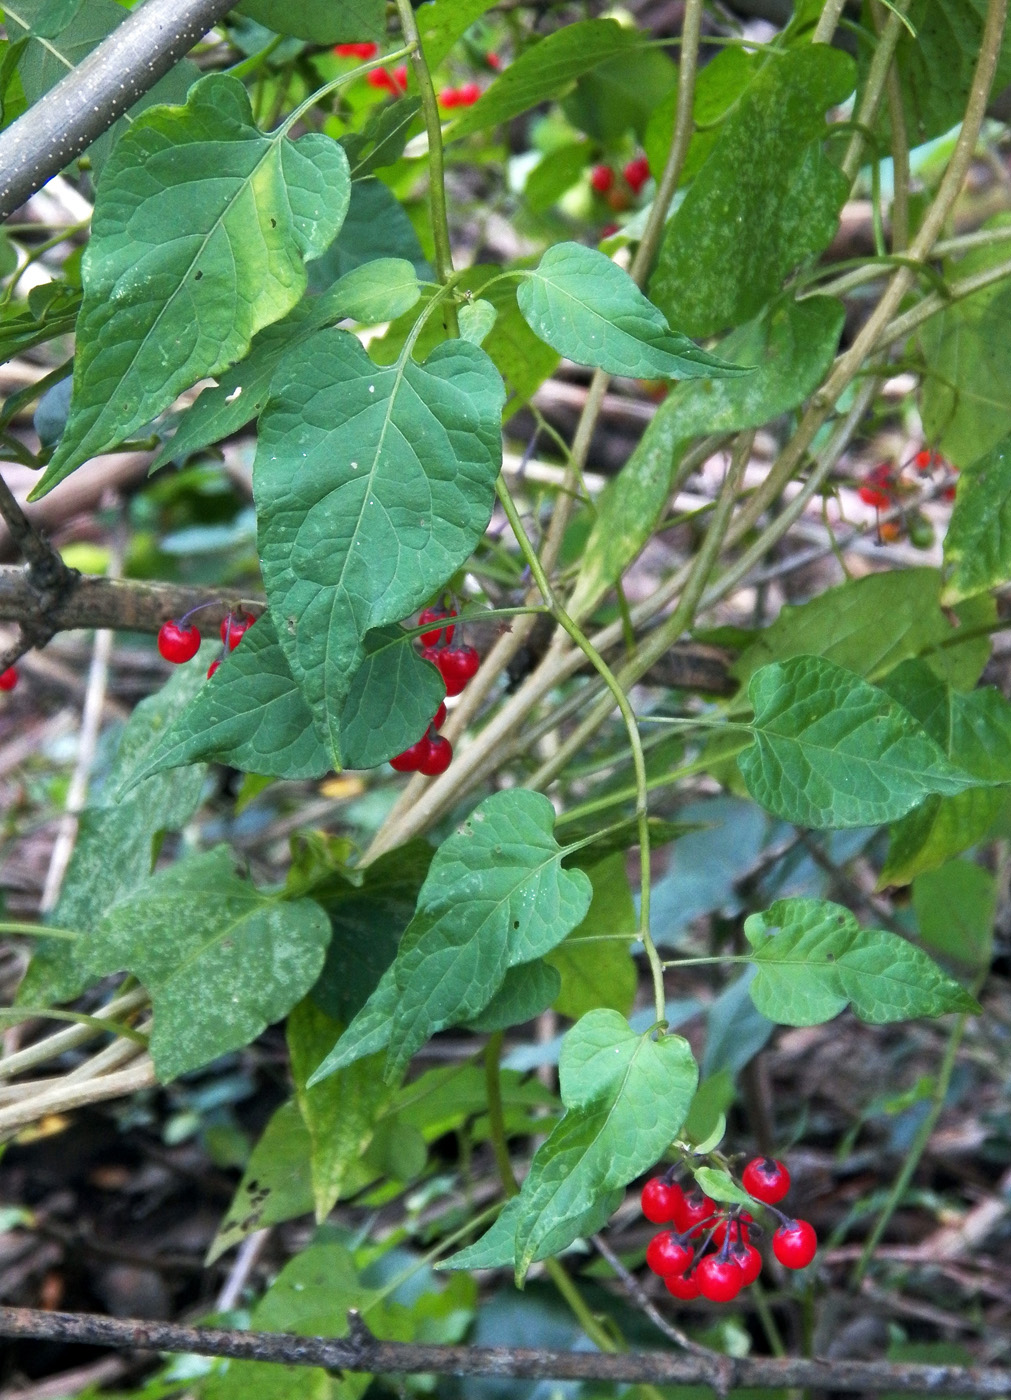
(361, 1351)
(100, 89)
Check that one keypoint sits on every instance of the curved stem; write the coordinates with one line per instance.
(632, 728)
(874, 86)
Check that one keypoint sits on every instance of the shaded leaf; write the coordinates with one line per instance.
(589, 309)
(766, 199)
(526, 991)
(320, 21)
(276, 1184)
(200, 235)
(196, 935)
(956, 907)
(391, 702)
(718, 86)
(833, 751)
(813, 958)
(380, 142)
(595, 962)
(376, 227)
(977, 547)
(372, 487)
(442, 22)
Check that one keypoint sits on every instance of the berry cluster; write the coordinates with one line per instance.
(393, 81)
(180, 641)
(883, 488)
(464, 96)
(605, 180)
(432, 753)
(679, 1255)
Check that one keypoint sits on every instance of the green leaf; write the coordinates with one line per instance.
(372, 487)
(812, 958)
(370, 292)
(495, 896)
(974, 730)
(621, 94)
(956, 908)
(311, 1296)
(557, 172)
(586, 307)
(379, 143)
(476, 320)
(117, 838)
(320, 21)
(767, 199)
(391, 701)
(718, 87)
(965, 399)
(595, 963)
(871, 624)
(201, 231)
(936, 63)
(442, 22)
(250, 714)
(791, 347)
(48, 58)
(525, 992)
(977, 547)
(276, 1184)
(341, 1113)
(197, 936)
(720, 1186)
(547, 69)
(376, 227)
(833, 751)
(523, 360)
(626, 1097)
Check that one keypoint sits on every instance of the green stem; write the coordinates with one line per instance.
(339, 82)
(496, 1115)
(900, 147)
(828, 22)
(621, 700)
(915, 1151)
(38, 930)
(15, 1015)
(436, 163)
(874, 87)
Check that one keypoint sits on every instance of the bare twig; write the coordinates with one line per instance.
(362, 1352)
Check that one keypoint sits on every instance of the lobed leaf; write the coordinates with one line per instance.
(372, 487)
(833, 751)
(201, 231)
(813, 958)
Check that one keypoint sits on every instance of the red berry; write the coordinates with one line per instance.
(659, 1200)
(399, 77)
(438, 758)
(9, 678)
(441, 634)
(748, 1260)
(449, 97)
(683, 1286)
(609, 229)
(411, 759)
(719, 1279)
(874, 496)
(178, 641)
(666, 1255)
(212, 668)
(380, 78)
(356, 50)
(924, 461)
(602, 178)
(439, 718)
(766, 1179)
(795, 1244)
(693, 1211)
(636, 173)
(232, 628)
(493, 60)
(468, 94)
(737, 1226)
(457, 665)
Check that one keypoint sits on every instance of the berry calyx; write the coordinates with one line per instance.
(233, 627)
(660, 1200)
(795, 1244)
(719, 1279)
(684, 1286)
(766, 1179)
(602, 178)
(9, 678)
(437, 758)
(457, 665)
(440, 634)
(178, 641)
(748, 1260)
(411, 759)
(666, 1255)
(694, 1211)
(636, 173)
